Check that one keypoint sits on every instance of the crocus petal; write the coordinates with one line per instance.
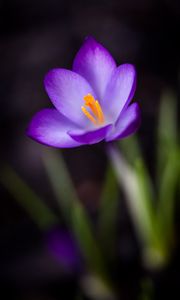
(127, 123)
(66, 90)
(49, 127)
(120, 91)
(62, 246)
(95, 64)
(90, 137)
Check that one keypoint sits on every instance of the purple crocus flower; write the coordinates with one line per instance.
(63, 247)
(92, 102)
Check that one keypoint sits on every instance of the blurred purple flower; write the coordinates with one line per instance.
(92, 102)
(63, 248)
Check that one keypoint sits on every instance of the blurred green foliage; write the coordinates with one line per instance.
(150, 202)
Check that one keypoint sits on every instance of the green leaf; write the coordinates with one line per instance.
(73, 211)
(61, 182)
(108, 212)
(136, 184)
(81, 227)
(137, 188)
(167, 194)
(147, 290)
(146, 198)
(130, 148)
(167, 137)
(26, 197)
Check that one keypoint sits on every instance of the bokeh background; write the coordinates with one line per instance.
(37, 36)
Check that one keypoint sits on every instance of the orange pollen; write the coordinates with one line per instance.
(96, 115)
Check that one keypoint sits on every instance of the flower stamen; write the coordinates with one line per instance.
(95, 108)
(100, 113)
(88, 115)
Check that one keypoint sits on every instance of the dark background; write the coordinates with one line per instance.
(37, 36)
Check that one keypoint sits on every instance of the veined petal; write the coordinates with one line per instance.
(66, 90)
(49, 127)
(120, 91)
(127, 123)
(90, 137)
(95, 64)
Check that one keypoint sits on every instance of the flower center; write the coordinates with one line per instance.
(96, 115)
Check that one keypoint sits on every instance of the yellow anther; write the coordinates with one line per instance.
(95, 108)
(88, 115)
(100, 113)
(90, 102)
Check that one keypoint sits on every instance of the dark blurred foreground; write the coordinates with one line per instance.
(35, 37)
